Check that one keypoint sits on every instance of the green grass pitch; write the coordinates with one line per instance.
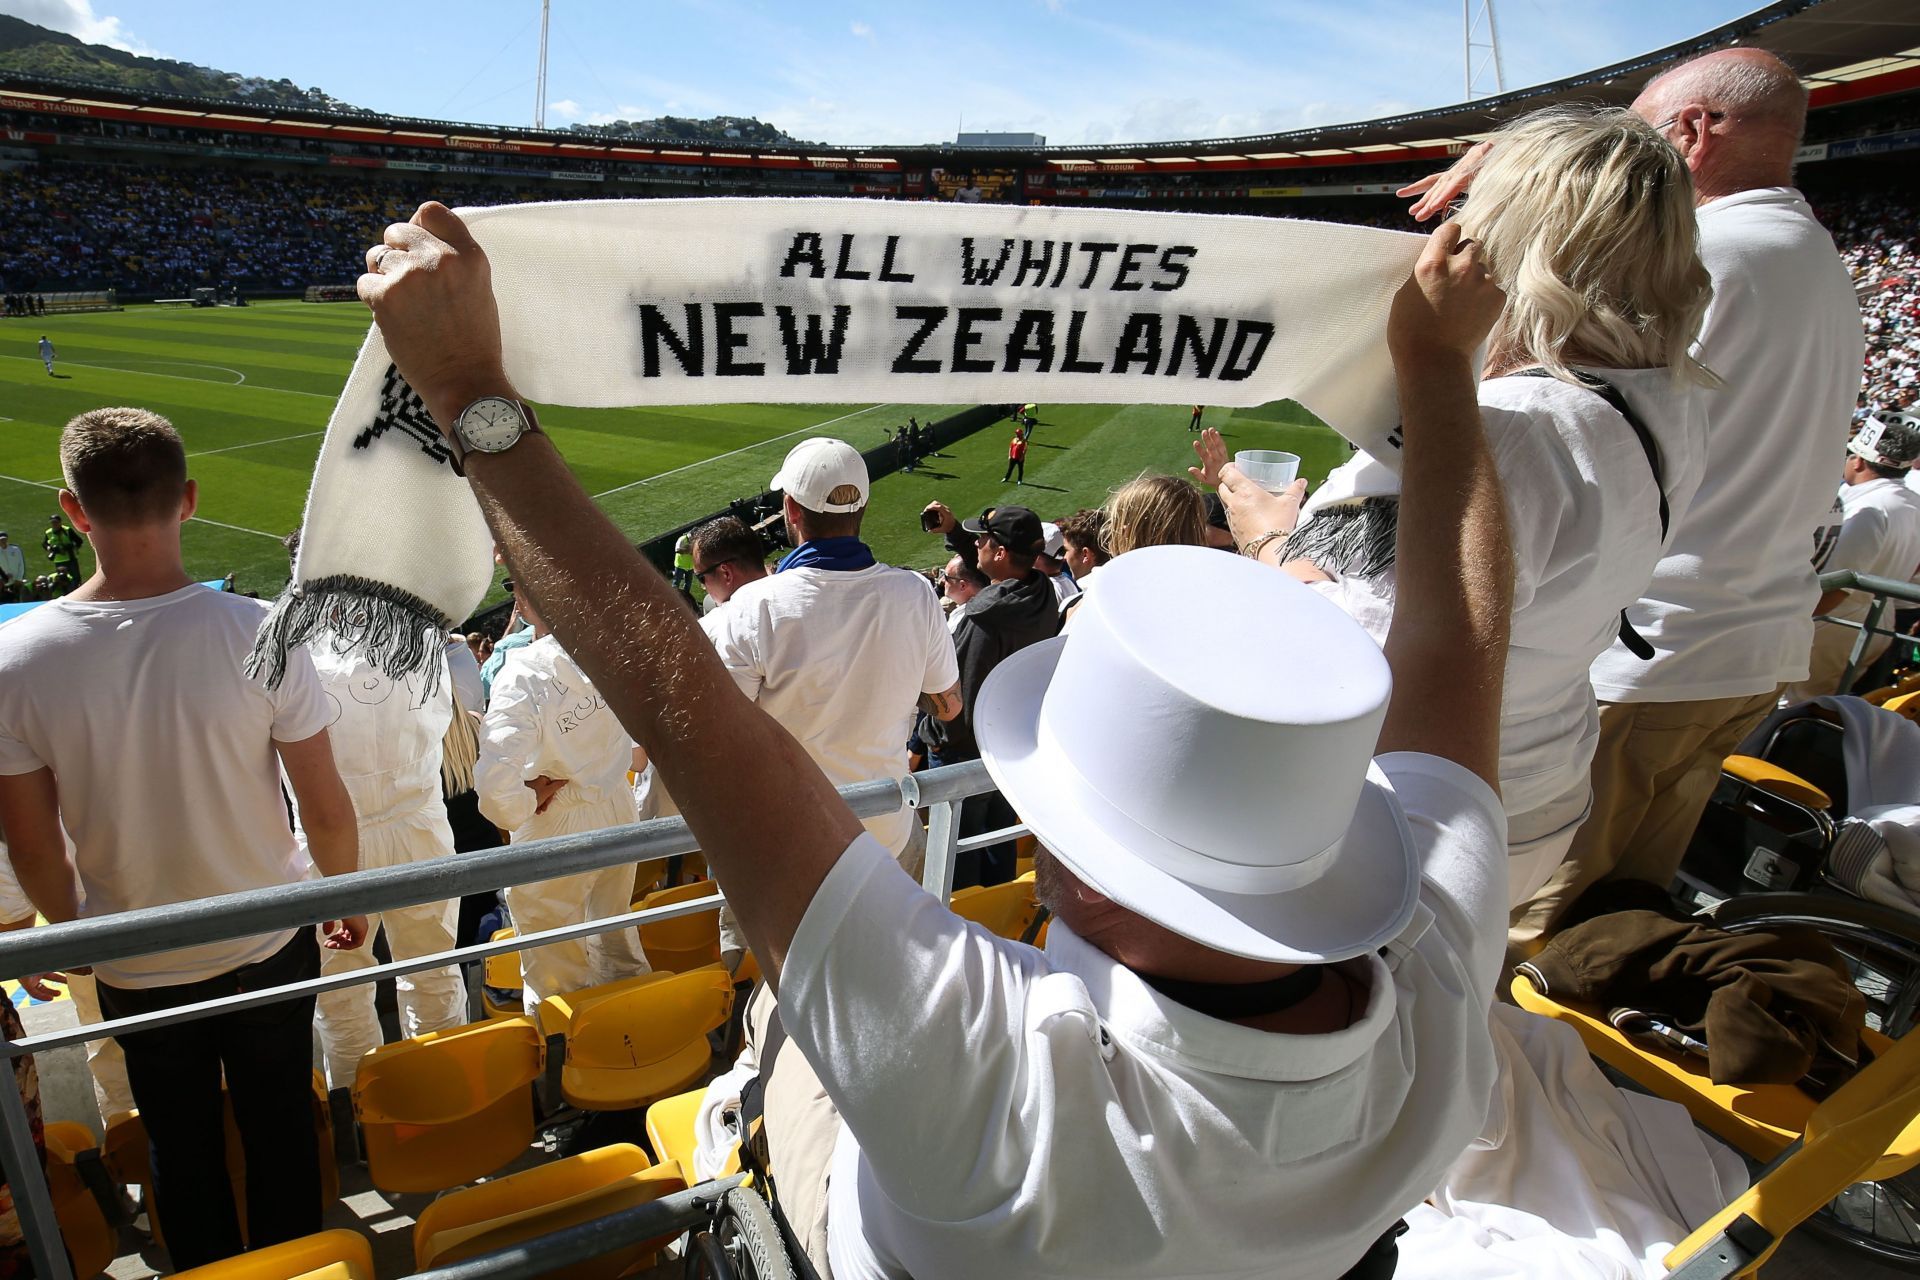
(251, 389)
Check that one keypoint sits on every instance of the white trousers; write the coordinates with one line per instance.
(431, 999)
(105, 1063)
(573, 965)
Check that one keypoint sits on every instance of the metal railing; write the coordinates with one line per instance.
(239, 915)
(1883, 590)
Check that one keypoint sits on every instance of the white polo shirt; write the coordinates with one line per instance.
(1010, 1113)
(1730, 609)
(840, 658)
(163, 748)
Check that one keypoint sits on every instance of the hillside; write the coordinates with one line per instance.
(744, 131)
(30, 50)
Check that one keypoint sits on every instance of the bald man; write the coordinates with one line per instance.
(1729, 612)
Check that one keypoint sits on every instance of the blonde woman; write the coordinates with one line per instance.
(1155, 511)
(1596, 413)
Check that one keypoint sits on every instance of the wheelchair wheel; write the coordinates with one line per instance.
(1878, 1219)
(1881, 946)
(745, 1231)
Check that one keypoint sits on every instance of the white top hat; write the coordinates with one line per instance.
(1200, 751)
(815, 468)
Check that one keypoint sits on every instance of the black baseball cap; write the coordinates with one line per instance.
(1015, 528)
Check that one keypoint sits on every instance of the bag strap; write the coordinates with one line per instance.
(1635, 642)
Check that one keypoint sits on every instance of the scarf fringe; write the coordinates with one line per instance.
(1350, 539)
(398, 632)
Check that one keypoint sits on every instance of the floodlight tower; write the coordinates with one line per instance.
(540, 80)
(1482, 37)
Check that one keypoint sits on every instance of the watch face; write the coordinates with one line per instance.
(491, 425)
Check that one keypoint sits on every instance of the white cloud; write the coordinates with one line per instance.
(861, 31)
(566, 109)
(76, 18)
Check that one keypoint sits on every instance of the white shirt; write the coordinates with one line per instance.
(840, 658)
(169, 784)
(1729, 611)
(1009, 1113)
(546, 718)
(1584, 519)
(13, 561)
(1880, 535)
(386, 735)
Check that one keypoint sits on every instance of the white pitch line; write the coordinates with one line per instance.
(220, 524)
(145, 373)
(255, 444)
(196, 364)
(634, 484)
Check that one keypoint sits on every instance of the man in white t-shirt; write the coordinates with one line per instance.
(1879, 536)
(126, 714)
(838, 648)
(1259, 1030)
(554, 761)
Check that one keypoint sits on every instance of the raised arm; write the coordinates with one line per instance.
(615, 614)
(1454, 565)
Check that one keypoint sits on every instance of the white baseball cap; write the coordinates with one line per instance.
(815, 468)
(1056, 541)
(1232, 806)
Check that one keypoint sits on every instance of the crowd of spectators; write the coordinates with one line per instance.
(1877, 233)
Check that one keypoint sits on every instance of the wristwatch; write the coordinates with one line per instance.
(491, 424)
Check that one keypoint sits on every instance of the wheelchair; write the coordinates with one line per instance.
(1761, 859)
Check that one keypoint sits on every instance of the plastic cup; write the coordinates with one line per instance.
(1271, 469)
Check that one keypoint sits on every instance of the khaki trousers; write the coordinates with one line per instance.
(801, 1127)
(1653, 771)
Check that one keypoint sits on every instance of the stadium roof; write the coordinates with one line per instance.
(1831, 43)
(1843, 49)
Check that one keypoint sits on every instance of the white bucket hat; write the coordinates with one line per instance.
(1200, 752)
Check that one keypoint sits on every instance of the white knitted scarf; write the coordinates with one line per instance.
(664, 302)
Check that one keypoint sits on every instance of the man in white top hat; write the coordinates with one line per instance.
(1259, 1029)
(1879, 535)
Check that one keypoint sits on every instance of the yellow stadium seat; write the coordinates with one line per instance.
(685, 942)
(91, 1241)
(334, 1255)
(124, 1155)
(1766, 776)
(670, 1128)
(548, 1198)
(631, 1042)
(1906, 704)
(501, 972)
(1004, 909)
(442, 1109)
(1759, 1120)
(1867, 1130)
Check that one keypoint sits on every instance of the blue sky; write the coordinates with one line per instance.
(892, 71)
